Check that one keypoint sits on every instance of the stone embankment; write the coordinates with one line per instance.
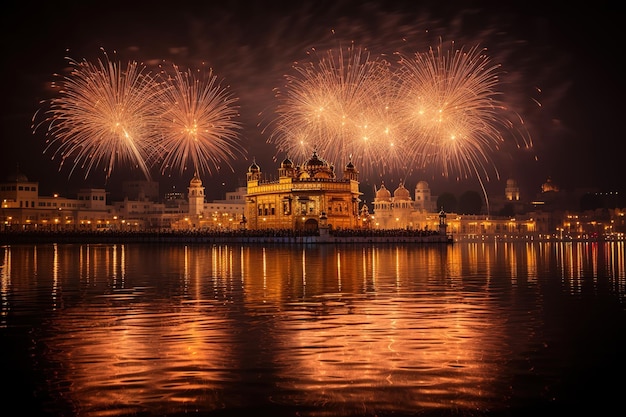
(238, 237)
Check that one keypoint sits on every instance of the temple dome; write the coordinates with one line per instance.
(287, 163)
(254, 168)
(17, 177)
(383, 193)
(549, 186)
(316, 167)
(422, 185)
(195, 181)
(401, 193)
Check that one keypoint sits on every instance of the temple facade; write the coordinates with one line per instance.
(302, 196)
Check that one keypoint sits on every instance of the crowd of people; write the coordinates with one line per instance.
(14, 236)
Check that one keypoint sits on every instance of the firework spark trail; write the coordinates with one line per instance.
(453, 110)
(103, 115)
(198, 123)
(388, 152)
(438, 109)
(333, 104)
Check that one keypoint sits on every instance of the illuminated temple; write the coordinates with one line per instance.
(303, 196)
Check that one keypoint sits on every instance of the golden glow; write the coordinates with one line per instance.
(198, 122)
(439, 109)
(105, 115)
(390, 325)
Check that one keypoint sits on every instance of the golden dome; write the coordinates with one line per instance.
(254, 168)
(287, 163)
(195, 181)
(422, 185)
(401, 193)
(549, 186)
(316, 167)
(383, 193)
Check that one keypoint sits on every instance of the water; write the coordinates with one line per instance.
(470, 329)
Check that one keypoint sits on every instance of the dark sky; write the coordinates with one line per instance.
(565, 59)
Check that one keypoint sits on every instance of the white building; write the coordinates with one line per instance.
(215, 215)
(400, 211)
(22, 208)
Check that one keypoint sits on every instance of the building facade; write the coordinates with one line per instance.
(226, 214)
(302, 195)
(22, 208)
(304, 198)
(400, 211)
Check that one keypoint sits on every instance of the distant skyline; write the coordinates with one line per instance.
(560, 73)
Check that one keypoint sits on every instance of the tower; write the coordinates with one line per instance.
(196, 196)
(423, 198)
(511, 192)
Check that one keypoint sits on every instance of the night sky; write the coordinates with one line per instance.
(562, 75)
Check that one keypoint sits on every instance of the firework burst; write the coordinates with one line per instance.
(198, 122)
(450, 108)
(104, 116)
(440, 110)
(337, 105)
(453, 112)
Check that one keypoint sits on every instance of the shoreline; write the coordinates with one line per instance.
(277, 237)
(280, 238)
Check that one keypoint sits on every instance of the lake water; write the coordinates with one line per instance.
(470, 329)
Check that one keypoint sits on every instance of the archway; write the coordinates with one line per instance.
(311, 225)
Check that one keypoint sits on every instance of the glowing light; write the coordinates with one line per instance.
(337, 104)
(107, 115)
(450, 105)
(198, 123)
(103, 115)
(440, 109)
(449, 101)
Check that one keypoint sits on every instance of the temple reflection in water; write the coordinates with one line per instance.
(180, 327)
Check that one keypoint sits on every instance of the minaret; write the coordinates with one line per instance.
(254, 174)
(511, 192)
(196, 196)
(422, 196)
(350, 172)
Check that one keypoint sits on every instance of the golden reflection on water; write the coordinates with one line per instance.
(168, 329)
(5, 285)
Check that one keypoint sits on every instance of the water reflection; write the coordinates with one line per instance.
(158, 329)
